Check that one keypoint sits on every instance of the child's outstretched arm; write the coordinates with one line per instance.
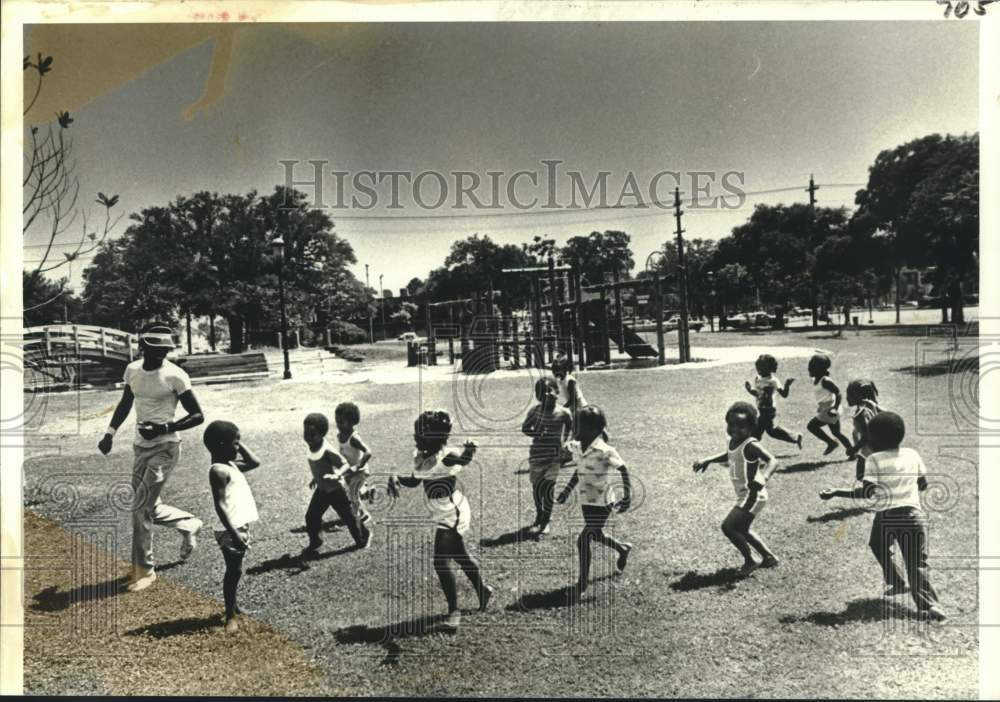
(247, 459)
(702, 465)
(465, 458)
(783, 391)
(340, 467)
(749, 388)
(865, 491)
(366, 454)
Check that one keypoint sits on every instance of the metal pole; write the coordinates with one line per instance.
(371, 323)
(284, 319)
(381, 293)
(658, 308)
(682, 329)
(812, 208)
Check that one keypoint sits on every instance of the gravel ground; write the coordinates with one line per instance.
(676, 623)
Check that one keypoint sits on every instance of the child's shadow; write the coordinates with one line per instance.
(867, 609)
(176, 627)
(723, 578)
(386, 636)
(840, 514)
(511, 537)
(332, 525)
(52, 599)
(296, 563)
(803, 467)
(565, 596)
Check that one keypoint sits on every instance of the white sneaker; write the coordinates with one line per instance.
(146, 577)
(189, 542)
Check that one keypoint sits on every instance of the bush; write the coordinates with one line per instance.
(346, 333)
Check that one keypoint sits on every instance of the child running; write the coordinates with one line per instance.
(894, 478)
(234, 504)
(863, 396)
(347, 416)
(328, 469)
(570, 395)
(594, 460)
(763, 388)
(827, 405)
(550, 426)
(436, 466)
(750, 467)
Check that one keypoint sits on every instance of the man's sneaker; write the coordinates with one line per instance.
(453, 620)
(144, 578)
(190, 542)
(484, 597)
(897, 589)
(623, 556)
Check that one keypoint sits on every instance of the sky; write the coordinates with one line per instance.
(168, 110)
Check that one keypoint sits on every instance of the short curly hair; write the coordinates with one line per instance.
(543, 386)
(766, 363)
(319, 421)
(433, 424)
(819, 363)
(348, 411)
(886, 431)
(592, 416)
(219, 433)
(745, 410)
(861, 389)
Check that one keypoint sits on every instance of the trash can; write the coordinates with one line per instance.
(412, 354)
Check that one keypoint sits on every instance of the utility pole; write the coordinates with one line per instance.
(371, 322)
(684, 342)
(381, 297)
(812, 208)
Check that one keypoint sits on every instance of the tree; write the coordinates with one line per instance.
(598, 255)
(474, 265)
(46, 301)
(698, 258)
(924, 194)
(50, 189)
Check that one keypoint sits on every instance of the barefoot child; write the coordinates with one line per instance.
(750, 466)
(763, 388)
(234, 504)
(550, 426)
(827, 405)
(328, 468)
(863, 396)
(436, 467)
(894, 478)
(595, 460)
(347, 416)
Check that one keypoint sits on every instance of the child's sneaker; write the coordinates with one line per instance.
(144, 578)
(453, 620)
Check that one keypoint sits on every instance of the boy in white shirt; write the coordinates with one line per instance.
(234, 503)
(894, 478)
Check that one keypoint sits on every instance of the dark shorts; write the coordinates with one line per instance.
(765, 418)
(595, 516)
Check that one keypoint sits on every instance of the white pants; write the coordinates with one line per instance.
(150, 471)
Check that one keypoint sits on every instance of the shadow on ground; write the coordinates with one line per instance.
(838, 515)
(387, 636)
(332, 525)
(296, 563)
(869, 609)
(177, 627)
(804, 466)
(945, 367)
(723, 578)
(554, 599)
(511, 537)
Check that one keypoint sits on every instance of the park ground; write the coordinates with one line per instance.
(677, 622)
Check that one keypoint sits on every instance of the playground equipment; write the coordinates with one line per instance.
(562, 317)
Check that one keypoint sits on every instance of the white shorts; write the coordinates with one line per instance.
(752, 502)
(451, 512)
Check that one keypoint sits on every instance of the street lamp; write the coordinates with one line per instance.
(381, 304)
(278, 249)
(711, 305)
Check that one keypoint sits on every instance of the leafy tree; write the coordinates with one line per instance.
(47, 301)
(598, 254)
(925, 195)
(699, 254)
(475, 264)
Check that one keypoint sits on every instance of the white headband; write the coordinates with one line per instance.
(157, 339)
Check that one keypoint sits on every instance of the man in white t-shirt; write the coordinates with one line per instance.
(155, 386)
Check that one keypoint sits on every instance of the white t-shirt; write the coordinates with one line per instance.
(765, 387)
(896, 473)
(156, 393)
(237, 500)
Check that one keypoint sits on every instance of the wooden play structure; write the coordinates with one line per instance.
(562, 317)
